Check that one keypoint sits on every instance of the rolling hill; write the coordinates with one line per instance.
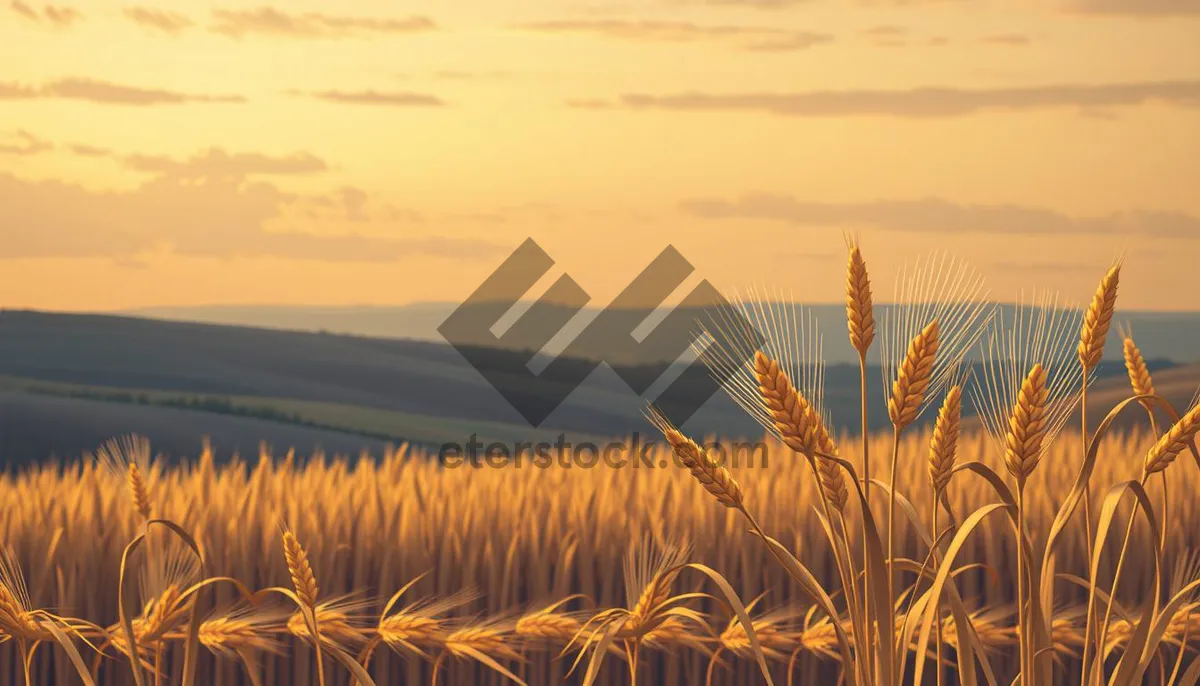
(69, 381)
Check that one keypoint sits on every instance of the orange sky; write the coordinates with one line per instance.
(383, 152)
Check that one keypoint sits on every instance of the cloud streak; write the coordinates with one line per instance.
(217, 218)
(754, 39)
(924, 102)
(23, 144)
(1137, 7)
(163, 21)
(52, 15)
(105, 92)
(934, 215)
(372, 97)
(268, 21)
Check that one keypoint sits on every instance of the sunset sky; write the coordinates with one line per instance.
(374, 152)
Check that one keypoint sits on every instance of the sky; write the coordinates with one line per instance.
(388, 152)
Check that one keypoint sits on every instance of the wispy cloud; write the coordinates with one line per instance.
(751, 38)
(23, 143)
(1016, 40)
(52, 15)
(219, 218)
(1137, 7)
(943, 216)
(215, 163)
(924, 102)
(269, 21)
(163, 21)
(373, 97)
(91, 90)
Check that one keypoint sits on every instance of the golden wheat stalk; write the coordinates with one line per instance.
(137, 490)
(1178, 437)
(300, 570)
(551, 627)
(860, 313)
(791, 413)
(912, 380)
(1027, 425)
(1139, 375)
(943, 445)
(1096, 320)
(713, 476)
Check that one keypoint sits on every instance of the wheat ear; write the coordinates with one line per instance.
(1027, 425)
(1097, 319)
(943, 447)
(792, 414)
(908, 390)
(860, 313)
(300, 570)
(1139, 376)
(137, 490)
(712, 475)
(1173, 442)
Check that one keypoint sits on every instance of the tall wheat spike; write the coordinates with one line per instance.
(793, 417)
(1178, 437)
(860, 312)
(1135, 365)
(713, 476)
(1027, 425)
(1097, 318)
(137, 490)
(300, 570)
(914, 376)
(943, 445)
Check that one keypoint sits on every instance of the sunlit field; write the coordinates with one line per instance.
(999, 546)
(523, 538)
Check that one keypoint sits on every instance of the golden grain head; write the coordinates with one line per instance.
(300, 570)
(338, 623)
(712, 475)
(243, 629)
(1178, 437)
(943, 445)
(1139, 375)
(1027, 425)
(559, 627)
(913, 377)
(1097, 319)
(404, 628)
(494, 639)
(860, 314)
(792, 415)
(137, 490)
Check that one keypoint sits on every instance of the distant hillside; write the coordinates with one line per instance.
(1161, 335)
(68, 381)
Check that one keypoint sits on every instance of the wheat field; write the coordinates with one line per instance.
(523, 537)
(1007, 550)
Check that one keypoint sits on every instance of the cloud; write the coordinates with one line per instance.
(91, 90)
(372, 97)
(269, 21)
(59, 17)
(84, 150)
(23, 143)
(756, 39)
(925, 102)
(1008, 39)
(215, 163)
(759, 4)
(171, 23)
(1137, 7)
(934, 215)
(213, 217)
